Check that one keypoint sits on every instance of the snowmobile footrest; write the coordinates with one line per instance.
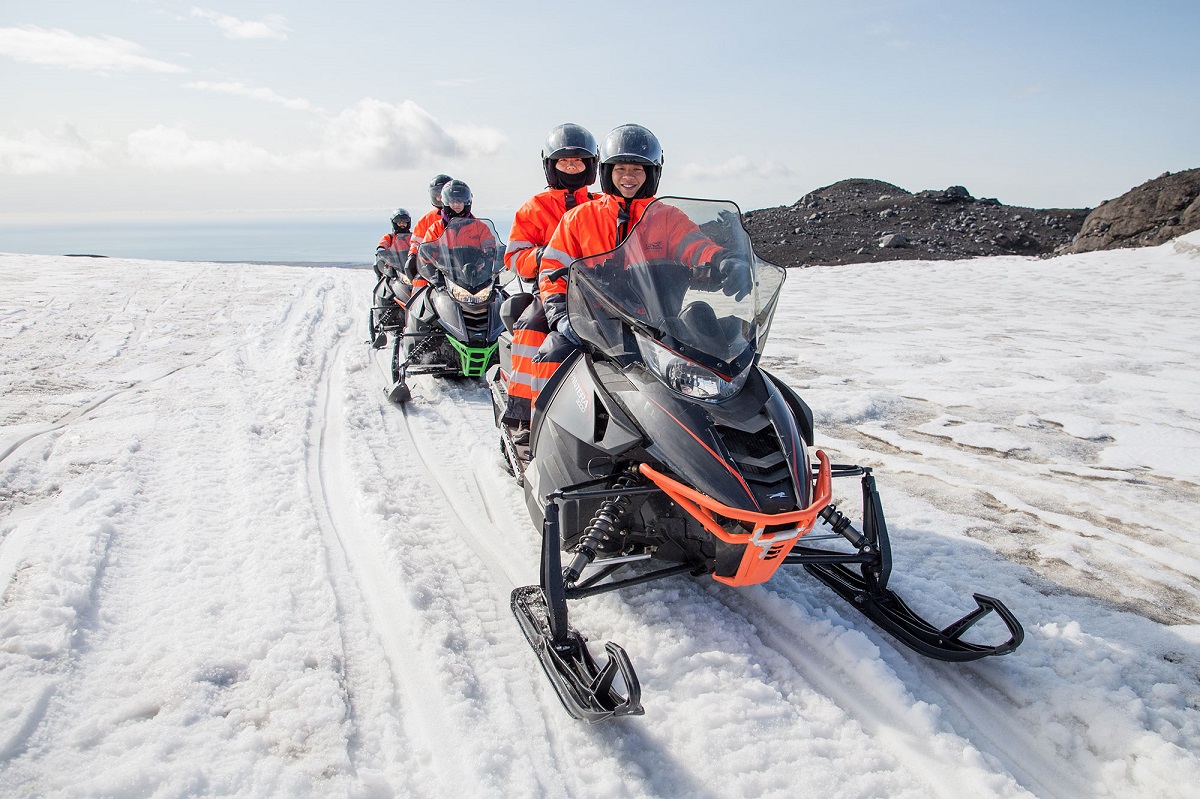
(586, 690)
(884, 607)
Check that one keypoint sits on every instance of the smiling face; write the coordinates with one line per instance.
(628, 178)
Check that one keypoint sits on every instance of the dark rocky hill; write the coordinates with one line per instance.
(1152, 213)
(861, 221)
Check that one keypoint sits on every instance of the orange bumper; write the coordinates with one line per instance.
(763, 551)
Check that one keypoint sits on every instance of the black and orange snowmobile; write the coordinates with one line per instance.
(662, 448)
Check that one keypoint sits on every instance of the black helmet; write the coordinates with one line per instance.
(435, 189)
(631, 144)
(457, 191)
(401, 217)
(569, 141)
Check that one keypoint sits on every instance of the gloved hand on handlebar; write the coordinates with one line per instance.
(735, 277)
(385, 264)
(563, 326)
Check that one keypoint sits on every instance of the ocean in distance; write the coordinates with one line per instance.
(334, 241)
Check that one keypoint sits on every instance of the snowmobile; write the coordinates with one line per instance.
(389, 299)
(662, 448)
(451, 326)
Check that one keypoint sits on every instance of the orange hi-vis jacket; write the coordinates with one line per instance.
(532, 228)
(421, 229)
(597, 227)
(420, 236)
(534, 224)
(472, 233)
(476, 234)
(396, 242)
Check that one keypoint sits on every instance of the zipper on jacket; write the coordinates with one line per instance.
(622, 220)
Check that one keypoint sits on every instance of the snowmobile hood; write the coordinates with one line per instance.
(747, 453)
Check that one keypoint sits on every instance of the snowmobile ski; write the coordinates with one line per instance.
(868, 593)
(585, 689)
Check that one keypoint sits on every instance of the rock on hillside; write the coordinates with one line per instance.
(861, 221)
(1153, 213)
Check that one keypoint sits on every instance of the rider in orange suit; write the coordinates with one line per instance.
(420, 233)
(393, 247)
(469, 232)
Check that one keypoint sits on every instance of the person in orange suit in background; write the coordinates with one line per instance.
(420, 232)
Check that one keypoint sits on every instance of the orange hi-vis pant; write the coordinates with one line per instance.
(528, 335)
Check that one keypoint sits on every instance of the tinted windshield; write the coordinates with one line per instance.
(686, 294)
(469, 252)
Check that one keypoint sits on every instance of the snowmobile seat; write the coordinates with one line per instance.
(512, 309)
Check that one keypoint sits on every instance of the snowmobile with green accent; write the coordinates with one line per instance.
(452, 324)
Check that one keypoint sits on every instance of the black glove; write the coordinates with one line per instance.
(735, 276)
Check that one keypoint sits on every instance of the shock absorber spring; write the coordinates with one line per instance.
(604, 526)
(842, 525)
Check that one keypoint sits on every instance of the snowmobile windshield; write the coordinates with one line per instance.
(685, 283)
(468, 252)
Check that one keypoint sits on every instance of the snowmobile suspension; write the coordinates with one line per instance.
(842, 525)
(605, 525)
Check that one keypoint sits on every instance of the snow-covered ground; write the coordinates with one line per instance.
(230, 567)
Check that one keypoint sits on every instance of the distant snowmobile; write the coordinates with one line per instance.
(389, 299)
(451, 327)
(662, 448)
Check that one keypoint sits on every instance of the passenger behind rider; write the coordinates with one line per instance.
(457, 226)
(420, 232)
(569, 162)
(631, 160)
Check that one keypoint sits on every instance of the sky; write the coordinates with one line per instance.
(154, 109)
(230, 567)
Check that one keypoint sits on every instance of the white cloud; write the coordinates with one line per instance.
(370, 135)
(38, 153)
(166, 148)
(60, 48)
(269, 27)
(738, 166)
(378, 135)
(242, 90)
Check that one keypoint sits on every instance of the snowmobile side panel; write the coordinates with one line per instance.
(800, 410)
(449, 315)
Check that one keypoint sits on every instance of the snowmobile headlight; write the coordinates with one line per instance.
(467, 298)
(687, 377)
